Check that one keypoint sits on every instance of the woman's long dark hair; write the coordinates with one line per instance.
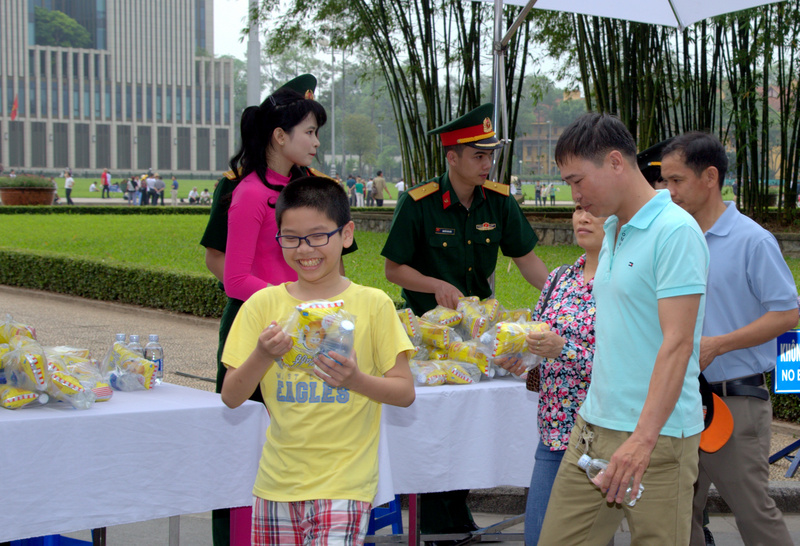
(285, 108)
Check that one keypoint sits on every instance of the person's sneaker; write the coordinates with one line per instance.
(709, 536)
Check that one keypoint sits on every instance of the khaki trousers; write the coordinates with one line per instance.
(740, 472)
(578, 513)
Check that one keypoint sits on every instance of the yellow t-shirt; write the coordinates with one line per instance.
(322, 442)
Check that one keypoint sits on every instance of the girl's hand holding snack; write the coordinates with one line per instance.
(273, 342)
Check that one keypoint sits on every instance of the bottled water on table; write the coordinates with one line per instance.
(155, 353)
(340, 342)
(596, 467)
(134, 345)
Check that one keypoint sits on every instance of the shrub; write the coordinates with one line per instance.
(198, 295)
(26, 181)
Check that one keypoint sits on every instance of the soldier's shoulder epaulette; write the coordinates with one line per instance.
(315, 172)
(502, 189)
(423, 190)
(230, 175)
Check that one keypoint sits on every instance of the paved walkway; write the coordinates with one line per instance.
(189, 348)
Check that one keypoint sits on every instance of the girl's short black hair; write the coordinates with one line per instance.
(315, 192)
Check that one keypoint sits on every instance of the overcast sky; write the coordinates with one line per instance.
(229, 18)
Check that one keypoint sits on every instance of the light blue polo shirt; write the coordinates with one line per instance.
(659, 253)
(747, 278)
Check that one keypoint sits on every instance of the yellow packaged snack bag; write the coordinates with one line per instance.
(444, 316)
(126, 370)
(460, 373)
(411, 324)
(68, 388)
(474, 323)
(436, 335)
(514, 315)
(313, 326)
(437, 353)
(427, 372)
(25, 365)
(470, 351)
(491, 307)
(509, 337)
(15, 398)
(88, 373)
(9, 328)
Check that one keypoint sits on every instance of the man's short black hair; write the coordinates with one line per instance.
(380, 173)
(700, 151)
(592, 136)
(457, 148)
(315, 192)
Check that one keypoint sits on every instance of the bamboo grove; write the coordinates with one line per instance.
(735, 76)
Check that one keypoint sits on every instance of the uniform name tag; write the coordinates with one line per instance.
(445, 231)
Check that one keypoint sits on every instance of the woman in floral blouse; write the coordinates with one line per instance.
(568, 349)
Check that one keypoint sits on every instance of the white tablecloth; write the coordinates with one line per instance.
(459, 437)
(140, 456)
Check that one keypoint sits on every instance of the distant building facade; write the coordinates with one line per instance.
(145, 94)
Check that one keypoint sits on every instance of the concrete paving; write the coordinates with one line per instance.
(190, 345)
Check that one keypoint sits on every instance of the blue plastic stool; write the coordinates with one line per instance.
(383, 516)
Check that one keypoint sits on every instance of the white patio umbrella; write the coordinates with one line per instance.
(674, 13)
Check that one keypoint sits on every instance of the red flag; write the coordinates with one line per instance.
(14, 108)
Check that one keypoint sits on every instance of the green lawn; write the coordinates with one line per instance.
(81, 187)
(171, 243)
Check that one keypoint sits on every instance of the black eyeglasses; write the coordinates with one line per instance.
(313, 240)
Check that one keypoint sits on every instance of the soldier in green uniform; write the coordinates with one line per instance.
(443, 244)
(215, 240)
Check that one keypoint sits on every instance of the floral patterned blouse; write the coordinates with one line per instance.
(570, 312)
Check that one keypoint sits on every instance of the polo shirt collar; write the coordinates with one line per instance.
(725, 223)
(645, 215)
(450, 197)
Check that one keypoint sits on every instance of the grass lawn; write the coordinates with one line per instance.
(81, 187)
(171, 243)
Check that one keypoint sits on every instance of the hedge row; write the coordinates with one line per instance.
(104, 209)
(180, 292)
(204, 209)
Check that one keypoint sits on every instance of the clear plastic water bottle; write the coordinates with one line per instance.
(155, 353)
(341, 342)
(596, 467)
(134, 344)
(119, 338)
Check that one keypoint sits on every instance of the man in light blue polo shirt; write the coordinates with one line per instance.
(751, 299)
(643, 411)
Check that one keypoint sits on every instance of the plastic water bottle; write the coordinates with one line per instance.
(119, 338)
(596, 467)
(342, 342)
(134, 344)
(155, 353)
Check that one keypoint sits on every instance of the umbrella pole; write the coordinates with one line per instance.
(500, 44)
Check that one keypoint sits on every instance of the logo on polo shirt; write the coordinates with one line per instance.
(630, 264)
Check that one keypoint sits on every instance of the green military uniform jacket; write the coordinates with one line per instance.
(433, 233)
